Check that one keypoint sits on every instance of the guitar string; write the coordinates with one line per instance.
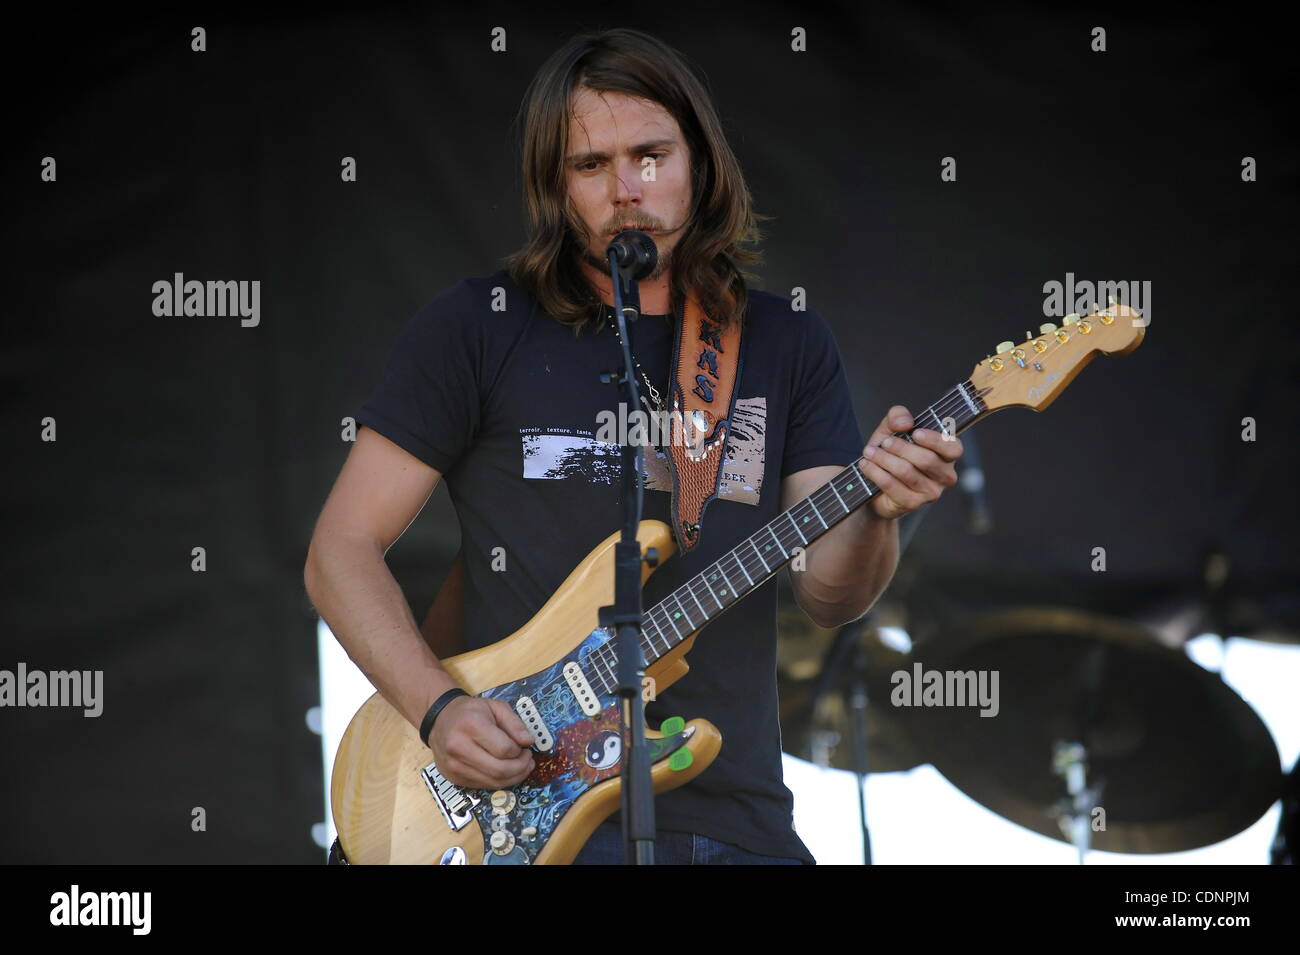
(821, 499)
(825, 496)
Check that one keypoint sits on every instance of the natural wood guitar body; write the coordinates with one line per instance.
(383, 807)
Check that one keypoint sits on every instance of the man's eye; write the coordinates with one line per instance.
(658, 155)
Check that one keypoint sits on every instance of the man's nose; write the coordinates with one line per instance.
(627, 183)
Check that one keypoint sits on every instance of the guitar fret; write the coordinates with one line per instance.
(760, 556)
(686, 613)
(790, 517)
(743, 569)
(597, 663)
(646, 624)
(711, 591)
(651, 621)
(813, 505)
(784, 553)
(831, 485)
(659, 632)
(691, 591)
(728, 579)
(858, 480)
(674, 622)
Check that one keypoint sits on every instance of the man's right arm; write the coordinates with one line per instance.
(377, 495)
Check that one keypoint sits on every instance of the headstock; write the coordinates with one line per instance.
(1034, 372)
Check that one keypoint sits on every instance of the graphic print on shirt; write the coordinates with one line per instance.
(555, 454)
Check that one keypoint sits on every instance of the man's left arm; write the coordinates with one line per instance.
(847, 569)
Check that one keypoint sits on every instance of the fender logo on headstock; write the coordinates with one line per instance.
(1038, 390)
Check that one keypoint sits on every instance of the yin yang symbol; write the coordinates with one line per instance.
(604, 750)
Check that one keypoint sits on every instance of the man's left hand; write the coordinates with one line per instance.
(908, 474)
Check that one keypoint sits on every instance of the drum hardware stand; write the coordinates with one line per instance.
(1074, 811)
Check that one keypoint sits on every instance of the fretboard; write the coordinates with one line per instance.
(757, 558)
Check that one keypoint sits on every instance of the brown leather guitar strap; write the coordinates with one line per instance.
(702, 397)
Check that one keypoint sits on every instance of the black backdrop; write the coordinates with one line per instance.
(182, 432)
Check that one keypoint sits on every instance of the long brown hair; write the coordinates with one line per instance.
(721, 234)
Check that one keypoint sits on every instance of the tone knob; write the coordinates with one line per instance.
(502, 842)
(1045, 328)
(1005, 347)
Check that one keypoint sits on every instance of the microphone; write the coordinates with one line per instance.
(634, 254)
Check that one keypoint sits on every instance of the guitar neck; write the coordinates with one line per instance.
(760, 556)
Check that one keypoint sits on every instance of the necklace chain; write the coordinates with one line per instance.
(654, 392)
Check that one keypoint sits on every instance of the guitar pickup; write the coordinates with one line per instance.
(527, 711)
(577, 680)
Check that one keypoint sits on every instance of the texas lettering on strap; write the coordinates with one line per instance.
(702, 397)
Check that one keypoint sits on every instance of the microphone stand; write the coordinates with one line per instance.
(628, 263)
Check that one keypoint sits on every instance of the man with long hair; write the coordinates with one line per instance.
(494, 385)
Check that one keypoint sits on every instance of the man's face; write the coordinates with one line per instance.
(612, 184)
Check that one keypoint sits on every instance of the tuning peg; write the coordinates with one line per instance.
(1005, 346)
(1046, 328)
(1070, 319)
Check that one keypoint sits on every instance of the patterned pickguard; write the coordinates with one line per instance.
(587, 751)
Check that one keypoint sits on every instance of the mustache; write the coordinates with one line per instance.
(641, 226)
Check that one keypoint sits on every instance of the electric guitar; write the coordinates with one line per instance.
(392, 805)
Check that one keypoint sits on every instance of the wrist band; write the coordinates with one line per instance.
(426, 725)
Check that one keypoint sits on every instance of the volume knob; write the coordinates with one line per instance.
(503, 800)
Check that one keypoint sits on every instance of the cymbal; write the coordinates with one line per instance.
(1270, 618)
(1182, 760)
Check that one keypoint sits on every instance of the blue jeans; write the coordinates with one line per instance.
(605, 847)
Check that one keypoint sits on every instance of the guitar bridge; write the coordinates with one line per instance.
(456, 805)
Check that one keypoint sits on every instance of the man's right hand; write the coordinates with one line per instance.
(481, 743)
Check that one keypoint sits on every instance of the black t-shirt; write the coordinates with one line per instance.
(504, 401)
